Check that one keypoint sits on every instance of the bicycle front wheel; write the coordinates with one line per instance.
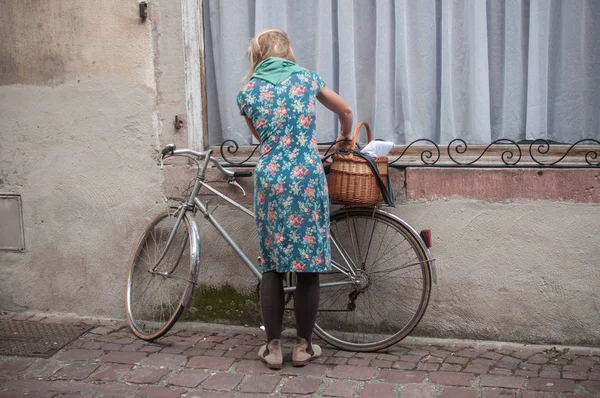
(380, 281)
(161, 275)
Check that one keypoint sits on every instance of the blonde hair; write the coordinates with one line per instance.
(268, 43)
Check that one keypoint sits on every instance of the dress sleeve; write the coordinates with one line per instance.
(319, 83)
(240, 103)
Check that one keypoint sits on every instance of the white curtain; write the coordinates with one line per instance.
(438, 69)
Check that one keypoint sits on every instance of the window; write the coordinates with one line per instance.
(475, 70)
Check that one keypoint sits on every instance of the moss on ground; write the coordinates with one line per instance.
(223, 304)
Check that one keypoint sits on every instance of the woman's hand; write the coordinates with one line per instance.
(343, 142)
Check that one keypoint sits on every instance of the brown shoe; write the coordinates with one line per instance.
(271, 354)
(302, 354)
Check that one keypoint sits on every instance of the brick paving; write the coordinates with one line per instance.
(201, 360)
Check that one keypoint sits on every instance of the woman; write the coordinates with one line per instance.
(290, 197)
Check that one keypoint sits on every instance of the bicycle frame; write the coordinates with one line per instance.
(194, 202)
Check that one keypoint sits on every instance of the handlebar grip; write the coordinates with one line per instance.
(168, 150)
(242, 174)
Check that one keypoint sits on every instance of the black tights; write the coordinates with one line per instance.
(306, 303)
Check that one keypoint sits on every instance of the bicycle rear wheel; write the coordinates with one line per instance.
(391, 281)
(156, 291)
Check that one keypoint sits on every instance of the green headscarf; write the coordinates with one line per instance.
(274, 70)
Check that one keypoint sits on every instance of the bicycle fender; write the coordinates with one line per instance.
(195, 261)
(433, 268)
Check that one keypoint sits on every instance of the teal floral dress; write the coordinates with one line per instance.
(290, 196)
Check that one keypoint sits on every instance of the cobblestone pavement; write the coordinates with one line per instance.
(200, 360)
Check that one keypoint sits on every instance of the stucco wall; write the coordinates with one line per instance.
(52, 42)
(87, 95)
(518, 252)
(518, 271)
(79, 125)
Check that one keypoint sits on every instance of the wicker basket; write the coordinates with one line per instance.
(350, 179)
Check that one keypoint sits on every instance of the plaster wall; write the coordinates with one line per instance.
(80, 123)
(515, 271)
(88, 94)
(52, 42)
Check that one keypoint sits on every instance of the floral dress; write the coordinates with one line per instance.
(290, 195)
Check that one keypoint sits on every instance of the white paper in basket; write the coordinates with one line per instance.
(378, 148)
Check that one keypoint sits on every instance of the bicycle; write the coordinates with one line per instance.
(375, 294)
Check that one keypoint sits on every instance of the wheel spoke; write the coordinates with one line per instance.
(343, 253)
(155, 245)
(387, 257)
(355, 244)
(337, 266)
(418, 263)
(368, 236)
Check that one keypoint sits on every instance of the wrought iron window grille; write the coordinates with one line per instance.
(502, 153)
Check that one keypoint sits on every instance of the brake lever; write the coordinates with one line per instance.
(235, 183)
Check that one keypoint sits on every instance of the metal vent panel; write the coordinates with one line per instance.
(12, 235)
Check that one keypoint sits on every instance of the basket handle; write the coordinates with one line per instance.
(357, 130)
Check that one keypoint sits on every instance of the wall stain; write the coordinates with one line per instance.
(28, 51)
(50, 42)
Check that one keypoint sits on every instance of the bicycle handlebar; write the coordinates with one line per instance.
(167, 150)
(171, 150)
(242, 174)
